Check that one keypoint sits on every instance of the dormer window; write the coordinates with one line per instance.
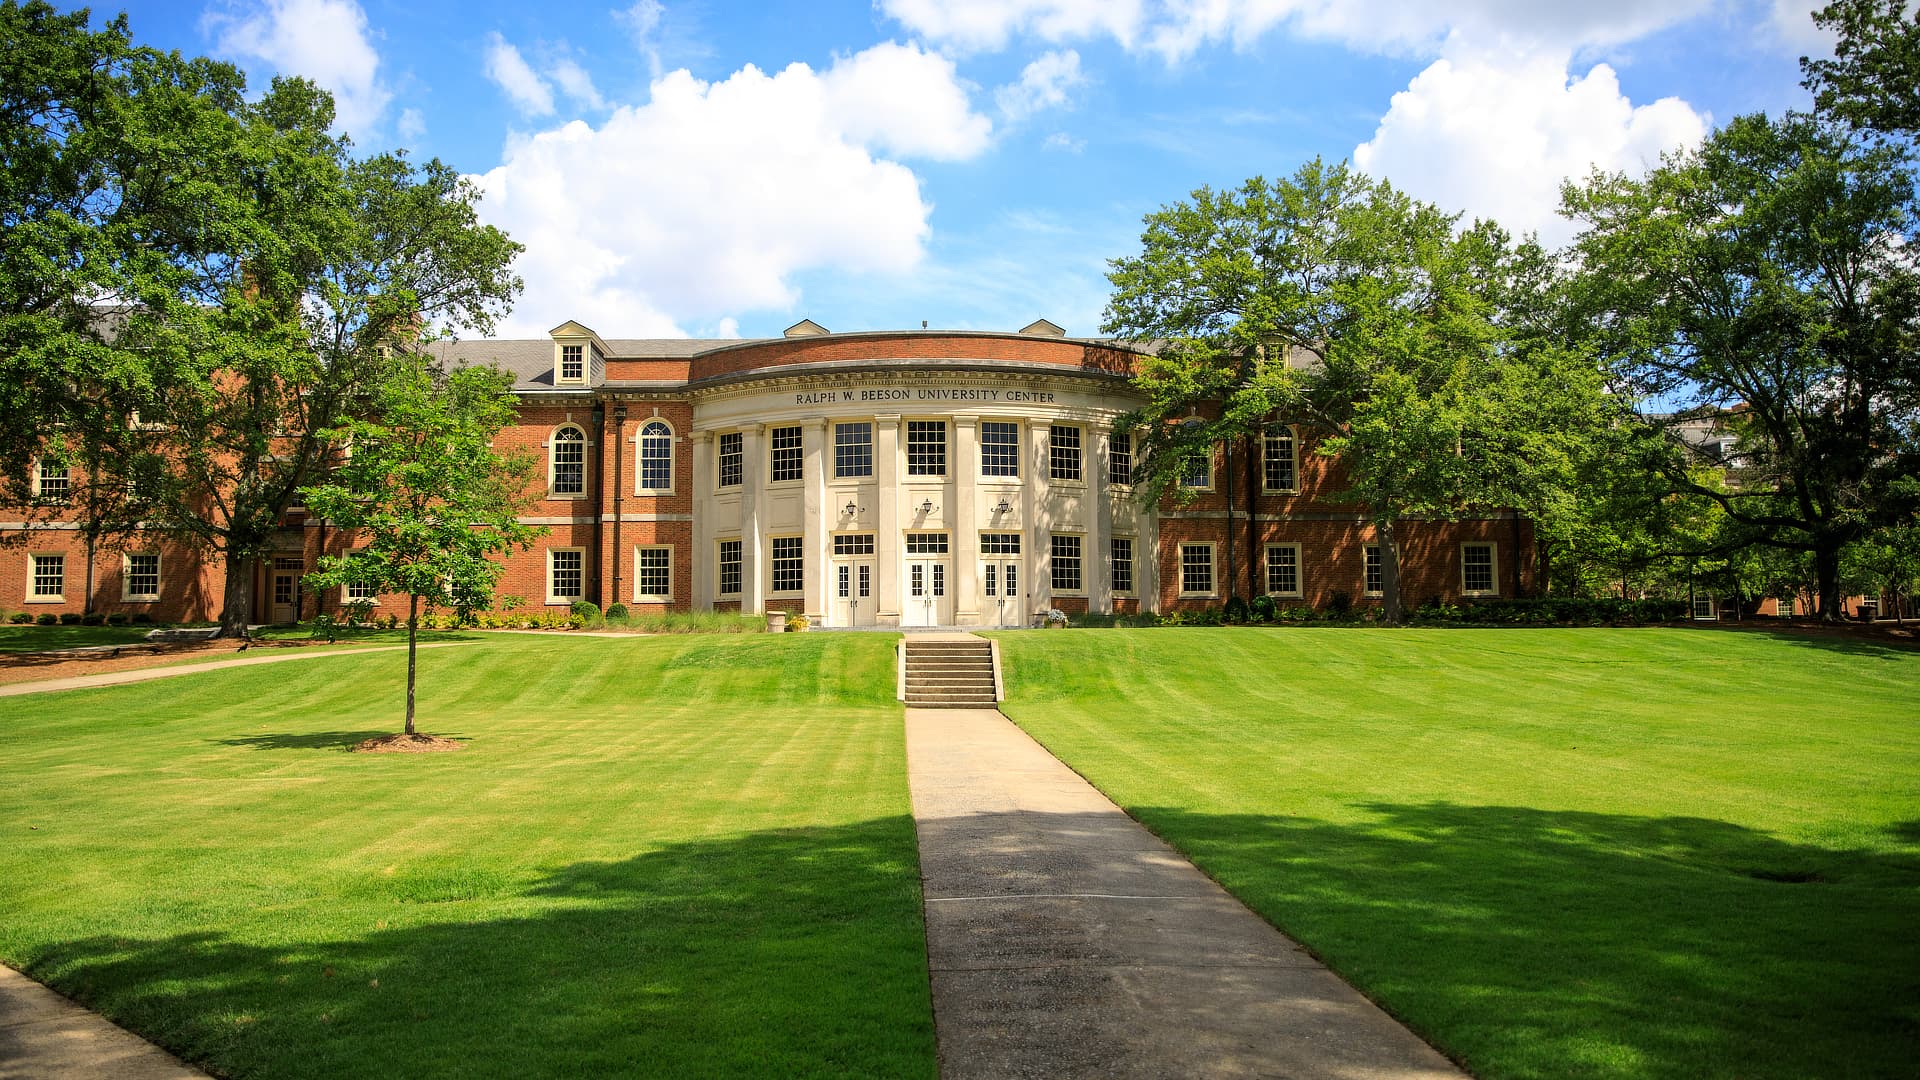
(573, 363)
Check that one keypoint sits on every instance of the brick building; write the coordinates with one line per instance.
(888, 478)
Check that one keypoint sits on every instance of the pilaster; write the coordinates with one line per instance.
(886, 475)
(753, 519)
(964, 474)
(700, 559)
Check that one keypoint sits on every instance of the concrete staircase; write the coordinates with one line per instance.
(950, 674)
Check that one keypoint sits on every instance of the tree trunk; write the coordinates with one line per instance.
(1826, 567)
(413, 637)
(236, 611)
(86, 608)
(1390, 573)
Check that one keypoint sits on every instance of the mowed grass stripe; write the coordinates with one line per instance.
(1555, 853)
(687, 855)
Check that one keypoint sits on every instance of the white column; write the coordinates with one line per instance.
(886, 545)
(1146, 558)
(753, 522)
(700, 562)
(963, 471)
(1099, 554)
(817, 515)
(1037, 509)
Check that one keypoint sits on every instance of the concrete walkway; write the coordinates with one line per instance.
(1066, 940)
(43, 1035)
(115, 678)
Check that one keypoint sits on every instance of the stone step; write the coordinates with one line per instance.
(952, 665)
(982, 704)
(949, 693)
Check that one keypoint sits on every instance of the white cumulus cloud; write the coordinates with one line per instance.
(513, 75)
(988, 24)
(574, 81)
(705, 202)
(1495, 137)
(1044, 84)
(327, 41)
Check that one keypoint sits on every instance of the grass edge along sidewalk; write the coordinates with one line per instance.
(1556, 852)
(686, 850)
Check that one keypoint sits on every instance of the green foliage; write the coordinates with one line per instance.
(1263, 608)
(1873, 79)
(616, 611)
(1235, 610)
(70, 618)
(118, 618)
(427, 498)
(1430, 361)
(1554, 611)
(1763, 283)
(93, 618)
(20, 617)
(587, 613)
(141, 618)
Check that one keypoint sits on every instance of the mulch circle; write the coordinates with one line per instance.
(406, 744)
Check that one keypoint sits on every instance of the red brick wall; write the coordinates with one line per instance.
(911, 346)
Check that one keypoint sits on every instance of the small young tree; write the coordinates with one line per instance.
(425, 494)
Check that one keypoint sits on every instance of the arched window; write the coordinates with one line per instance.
(569, 458)
(655, 472)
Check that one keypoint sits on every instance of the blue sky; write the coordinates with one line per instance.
(714, 168)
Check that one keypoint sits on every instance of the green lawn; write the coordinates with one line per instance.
(1646, 853)
(20, 638)
(685, 855)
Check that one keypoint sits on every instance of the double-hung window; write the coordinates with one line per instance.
(1283, 569)
(729, 568)
(566, 575)
(656, 457)
(999, 448)
(1476, 569)
(1120, 550)
(732, 459)
(1120, 458)
(143, 576)
(1063, 453)
(652, 573)
(789, 567)
(1282, 473)
(786, 454)
(926, 448)
(47, 577)
(853, 449)
(1064, 563)
(569, 462)
(1374, 581)
(1196, 569)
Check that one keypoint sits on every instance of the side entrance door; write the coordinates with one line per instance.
(853, 603)
(926, 600)
(286, 588)
(1000, 588)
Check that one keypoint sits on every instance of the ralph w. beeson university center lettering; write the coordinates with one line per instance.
(895, 478)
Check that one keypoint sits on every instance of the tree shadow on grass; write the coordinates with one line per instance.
(1846, 640)
(304, 740)
(794, 952)
(1534, 943)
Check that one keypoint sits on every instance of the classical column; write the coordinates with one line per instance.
(886, 475)
(964, 473)
(700, 559)
(1146, 559)
(1098, 558)
(818, 517)
(1037, 511)
(753, 522)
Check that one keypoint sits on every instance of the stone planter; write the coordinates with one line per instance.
(776, 622)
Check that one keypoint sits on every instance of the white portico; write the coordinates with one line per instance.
(898, 493)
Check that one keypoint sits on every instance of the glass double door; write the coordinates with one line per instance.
(926, 602)
(1000, 591)
(853, 600)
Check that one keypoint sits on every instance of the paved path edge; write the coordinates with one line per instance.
(45, 1034)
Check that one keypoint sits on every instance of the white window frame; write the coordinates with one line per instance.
(1213, 569)
(560, 376)
(1115, 478)
(1054, 457)
(720, 566)
(1493, 568)
(920, 469)
(720, 455)
(1080, 540)
(1206, 460)
(65, 492)
(853, 471)
(1372, 553)
(127, 595)
(1299, 571)
(1014, 465)
(553, 462)
(554, 597)
(1133, 566)
(1293, 448)
(33, 576)
(640, 595)
(799, 545)
(640, 457)
(798, 450)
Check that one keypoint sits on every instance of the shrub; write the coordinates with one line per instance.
(118, 618)
(70, 618)
(1235, 610)
(586, 614)
(797, 622)
(20, 617)
(616, 611)
(1340, 603)
(141, 618)
(47, 619)
(93, 618)
(1263, 609)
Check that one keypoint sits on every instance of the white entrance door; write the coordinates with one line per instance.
(1000, 592)
(286, 596)
(926, 602)
(853, 603)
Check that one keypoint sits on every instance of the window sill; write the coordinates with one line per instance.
(651, 598)
(1199, 596)
(652, 493)
(563, 601)
(851, 481)
(144, 598)
(554, 496)
(46, 599)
